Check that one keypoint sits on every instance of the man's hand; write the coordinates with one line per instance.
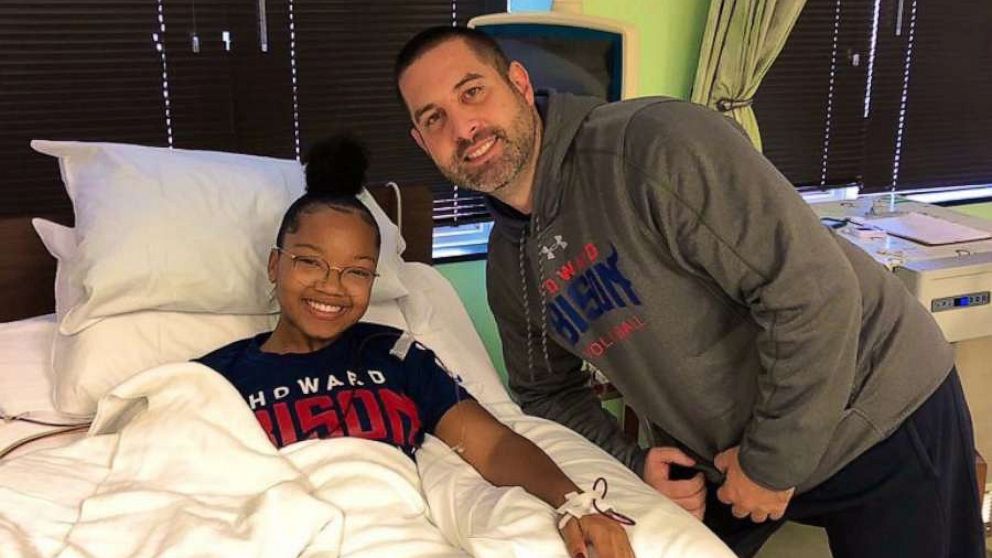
(689, 494)
(747, 498)
(602, 533)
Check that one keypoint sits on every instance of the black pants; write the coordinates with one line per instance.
(914, 494)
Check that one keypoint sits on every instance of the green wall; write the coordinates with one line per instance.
(670, 32)
(983, 210)
(469, 280)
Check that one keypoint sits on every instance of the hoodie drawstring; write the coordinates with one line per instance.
(526, 302)
(544, 299)
(523, 287)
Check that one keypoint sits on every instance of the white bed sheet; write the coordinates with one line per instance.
(473, 515)
(25, 365)
(26, 386)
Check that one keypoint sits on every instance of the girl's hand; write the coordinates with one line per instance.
(608, 537)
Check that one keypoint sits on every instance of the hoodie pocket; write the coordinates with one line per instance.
(920, 448)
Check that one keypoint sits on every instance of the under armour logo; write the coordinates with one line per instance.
(549, 251)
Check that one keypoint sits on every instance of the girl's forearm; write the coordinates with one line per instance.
(516, 461)
(502, 456)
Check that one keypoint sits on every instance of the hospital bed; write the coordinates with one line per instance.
(147, 454)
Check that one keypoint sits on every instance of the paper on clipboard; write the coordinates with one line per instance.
(926, 229)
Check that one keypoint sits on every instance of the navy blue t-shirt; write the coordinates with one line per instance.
(372, 382)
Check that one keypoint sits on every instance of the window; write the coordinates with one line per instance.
(73, 70)
(885, 94)
(809, 106)
(267, 77)
(225, 92)
(943, 119)
(467, 241)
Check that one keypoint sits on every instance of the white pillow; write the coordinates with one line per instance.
(60, 241)
(178, 230)
(89, 364)
(437, 318)
(391, 249)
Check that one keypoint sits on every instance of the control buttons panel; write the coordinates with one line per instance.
(959, 301)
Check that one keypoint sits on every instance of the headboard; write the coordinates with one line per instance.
(27, 271)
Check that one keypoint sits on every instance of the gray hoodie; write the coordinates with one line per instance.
(667, 252)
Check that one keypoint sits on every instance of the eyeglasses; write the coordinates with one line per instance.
(310, 270)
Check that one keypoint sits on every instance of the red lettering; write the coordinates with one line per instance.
(285, 422)
(310, 420)
(566, 271)
(266, 421)
(550, 286)
(581, 262)
(623, 330)
(397, 407)
(376, 429)
(592, 252)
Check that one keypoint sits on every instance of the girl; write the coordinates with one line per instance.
(323, 266)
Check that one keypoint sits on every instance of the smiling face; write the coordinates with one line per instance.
(479, 127)
(316, 312)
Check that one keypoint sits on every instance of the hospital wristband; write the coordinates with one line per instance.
(578, 505)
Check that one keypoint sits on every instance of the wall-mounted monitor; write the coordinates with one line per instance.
(569, 52)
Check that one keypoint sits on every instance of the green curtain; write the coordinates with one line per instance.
(742, 39)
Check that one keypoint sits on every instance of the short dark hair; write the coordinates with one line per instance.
(484, 46)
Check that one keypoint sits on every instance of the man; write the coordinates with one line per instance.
(650, 239)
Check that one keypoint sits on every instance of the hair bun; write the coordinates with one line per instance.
(336, 166)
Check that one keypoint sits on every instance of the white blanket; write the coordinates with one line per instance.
(176, 465)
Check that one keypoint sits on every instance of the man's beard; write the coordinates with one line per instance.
(517, 146)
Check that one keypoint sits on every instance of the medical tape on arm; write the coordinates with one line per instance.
(579, 505)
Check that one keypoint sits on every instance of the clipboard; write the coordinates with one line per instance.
(926, 229)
